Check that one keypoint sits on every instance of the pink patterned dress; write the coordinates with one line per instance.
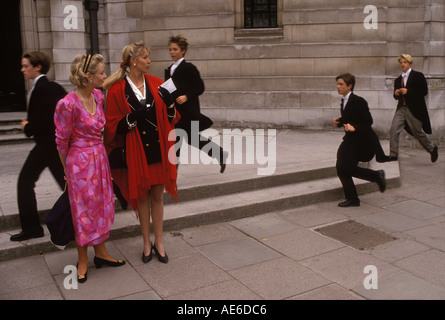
(90, 188)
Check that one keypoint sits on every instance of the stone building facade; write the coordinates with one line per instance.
(282, 76)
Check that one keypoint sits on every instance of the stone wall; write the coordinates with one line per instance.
(283, 77)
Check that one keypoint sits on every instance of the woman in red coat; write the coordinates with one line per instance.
(141, 120)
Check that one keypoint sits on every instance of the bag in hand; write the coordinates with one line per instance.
(60, 222)
(117, 158)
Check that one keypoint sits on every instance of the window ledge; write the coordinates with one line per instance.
(259, 34)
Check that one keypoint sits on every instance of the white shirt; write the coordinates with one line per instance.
(175, 65)
(405, 76)
(345, 100)
(136, 91)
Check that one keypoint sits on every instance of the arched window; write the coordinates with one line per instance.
(260, 13)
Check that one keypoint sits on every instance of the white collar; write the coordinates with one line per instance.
(136, 91)
(177, 63)
(346, 97)
(37, 79)
(406, 74)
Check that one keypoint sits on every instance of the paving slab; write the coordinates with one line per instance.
(236, 253)
(228, 290)
(402, 286)
(279, 278)
(429, 265)
(181, 274)
(432, 235)
(264, 225)
(330, 292)
(345, 266)
(301, 244)
(416, 209)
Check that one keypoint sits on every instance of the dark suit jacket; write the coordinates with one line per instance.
(42, 105)
(364, 139)
(417, 89)
(188, 82)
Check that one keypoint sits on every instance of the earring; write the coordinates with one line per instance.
(134, 64)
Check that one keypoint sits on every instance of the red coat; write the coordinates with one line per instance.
(134, 182)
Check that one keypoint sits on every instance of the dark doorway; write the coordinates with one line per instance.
(12, 84)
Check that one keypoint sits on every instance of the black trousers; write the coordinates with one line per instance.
(198, 141)
(40, 157)
(348, 156)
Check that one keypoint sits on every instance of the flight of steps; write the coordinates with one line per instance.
(10, 128)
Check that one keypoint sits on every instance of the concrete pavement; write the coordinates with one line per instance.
(270, 252)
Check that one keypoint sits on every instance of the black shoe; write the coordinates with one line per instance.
(391, 158)
(25, 235)
(434, 154)
(99, 262)
(381, 181)
(163, 259)
(223, 162)
(382, 159)
(147, 259)
(82, 278)
(350, 203)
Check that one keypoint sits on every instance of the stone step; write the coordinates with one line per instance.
(11, 218)
(212, 210)
(12, 138)
(10, 128)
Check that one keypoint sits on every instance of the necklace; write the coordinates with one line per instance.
(134, 82)
(84, 105)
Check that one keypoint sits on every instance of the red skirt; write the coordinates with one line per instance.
(155, 174)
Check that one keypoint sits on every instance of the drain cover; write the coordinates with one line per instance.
(355, 234)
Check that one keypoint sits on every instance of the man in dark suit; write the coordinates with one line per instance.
(190, 86)
(39, 125)
(410, 90)
(360, 143)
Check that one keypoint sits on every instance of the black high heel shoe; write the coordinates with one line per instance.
(99, 262)
(163, 259)
(81, 278)
(147, 259)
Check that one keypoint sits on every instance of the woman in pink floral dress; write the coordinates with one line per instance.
(79, 120)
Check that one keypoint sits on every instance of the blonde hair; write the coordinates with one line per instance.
(406, 57)
(133, 50)
(78, 75)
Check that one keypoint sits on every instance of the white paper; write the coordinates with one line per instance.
(169, 85)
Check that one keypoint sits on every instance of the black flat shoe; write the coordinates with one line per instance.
(147, 259)
(26, 235)
(350, 203)
(391, 158)
(163, 259)
(223, 162)
(381, 181)
(81, 278)
(434, 154)
(99, 262)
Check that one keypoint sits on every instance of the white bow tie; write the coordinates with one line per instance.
(404, 75)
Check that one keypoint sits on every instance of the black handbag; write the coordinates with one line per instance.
(60, 222)
(117, 158)
(204, 122)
